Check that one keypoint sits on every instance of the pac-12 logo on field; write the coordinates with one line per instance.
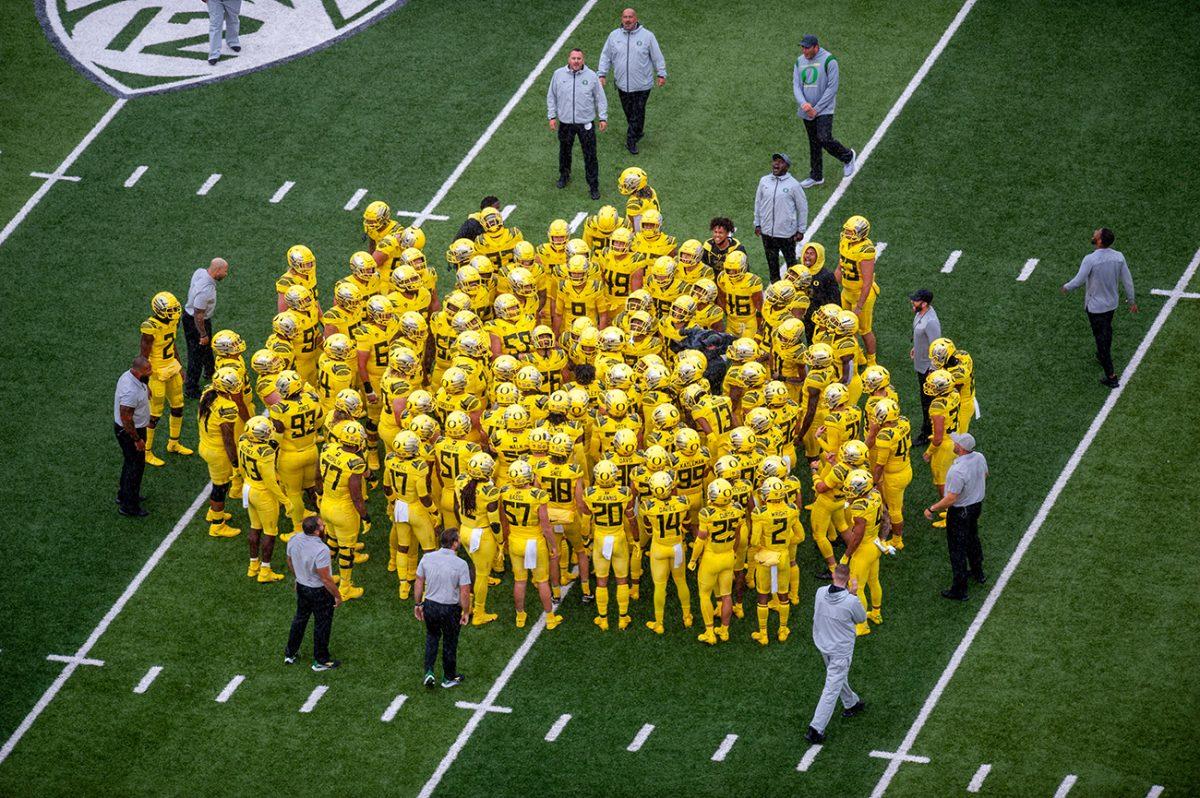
(133, 47)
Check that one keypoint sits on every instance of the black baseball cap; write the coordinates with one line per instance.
(783, 156)
(921, 295)
(809, 40)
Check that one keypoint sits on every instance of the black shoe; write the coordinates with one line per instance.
(632, 147)
(981, 579)
(950, 594)
(191, 394)
(587, 598)
(562, 182)
(824, 573)
(850, 712)
(237, 48)
(454, 682)
(429, 680)
(813, 736)
(594, 193)
(319, 666)
(133, 512)
(289, 659)
(922, 440)
(1110, 382)
(212, 62)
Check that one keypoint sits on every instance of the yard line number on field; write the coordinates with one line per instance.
(902, 753)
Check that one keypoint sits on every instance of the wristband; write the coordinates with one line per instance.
(368, 387)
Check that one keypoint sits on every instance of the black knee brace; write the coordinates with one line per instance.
(219, 492)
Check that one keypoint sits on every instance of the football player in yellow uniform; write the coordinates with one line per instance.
(785, 415)
(512, 442)
(691, 471)
(166, 371)
(779, 300)
(553, 257)
(877, 383)
(633, 183)
(529, 540)
(388, 252)
(528, 285)
(336, 369)
(891, 466)
(642, 340)
(413, 256)
(819, 375)
(579, 296)
(284, 337)
(665, 284)
(297, 416)
(691, 264)
(621, 269)
(777, 529)
(228, 347)
(395, 395)
(454, 397)
(343, 499)
(477, 506)
(712, 416)
(614, 415)
(301, 270)
(267, 367)
(563, 482)
(407, 485)
(718, 541)
(408, 293)
(943, 419)
(740, 295)
(599, 227)
(442, 333)
(651, 242)
(346, 312)
(497, 241)
(548, 358)
(739, 353)
(378, 222)
(373, 338)
(729, 469)
(364, 274)
(943, 354)
(843, 421)
(788, 355)
(460, 252)
(827, 515)
(263, 495)
(511, 332)
(862, 543)
(662, 515)
(775, 466)
(452, 454)
(856, 273)
(219, 424)
(306, 345)
(708, 313)
(610, 508)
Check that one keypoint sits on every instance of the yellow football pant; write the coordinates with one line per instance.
(943, 456)
(220, 470)
(867, 317)
(166, 391)
(827, 518)
(297, 472)
(482, 556)
(264, 511)
(893, 488)
(714, 577)
(342, 525)
(516, 555)
(864, 566)
(662, 566)
(405, 538)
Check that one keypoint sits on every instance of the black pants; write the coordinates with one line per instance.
(129, 489)
(820, 137)
(926, 401)
(634, 105)
(200, 366)
(1102, 332)
(962, 540)
(442, 624)
(316, 601)
(774, 247)
(587, 140)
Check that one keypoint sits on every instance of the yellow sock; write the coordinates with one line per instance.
(413, 555)
(213, 517)
(622, 599)
(685, 595)
(149, 438)
(176, 425)
(784, 611)
(706, 609)
(825, 546)
(346, 571)
(794, 575)
(763, 613)
(660, 601)
(635, 557)
(481, 589)
(601, 601)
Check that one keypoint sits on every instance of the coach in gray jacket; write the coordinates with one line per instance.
(633, 55)
(836, 612)
(815, 84)
(780, 213)
(1104, 271)
(573, 101)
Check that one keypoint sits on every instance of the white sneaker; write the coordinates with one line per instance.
(848, 169)
(808, 182)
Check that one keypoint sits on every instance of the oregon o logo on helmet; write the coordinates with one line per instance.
(132, 47)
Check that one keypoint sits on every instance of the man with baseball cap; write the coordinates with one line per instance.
(926, 329)
(815, 84)
(966, 483)
(780, 213)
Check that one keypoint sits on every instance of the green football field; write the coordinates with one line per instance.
(1072, 672)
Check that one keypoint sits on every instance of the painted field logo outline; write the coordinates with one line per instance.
(133, 47)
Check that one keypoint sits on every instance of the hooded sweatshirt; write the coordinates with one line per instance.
(815, 81)
(835, 613)
(780, 207)
(824, 288)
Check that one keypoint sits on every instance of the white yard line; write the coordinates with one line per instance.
(282, 191)
(948, 266)
(1065, 786)
(809, 756)
(33, 201)
(393, 708)
(1027, 270)
(483, 707)
(102, 627)
(507, 211)
(148, 679)
(491, 129)
(311, 703)
(1155, 791)
(1035, 526)
(229, 689)
(1180, 294)
(724, 748)
(977, 779)
(352, 203)
(578, 220)
(131, 181)
(208, 184)
(558, 727)
(893, 112)
(640, 738)
(77, 660)
(431, 217)
(53, 176)
(488, 701)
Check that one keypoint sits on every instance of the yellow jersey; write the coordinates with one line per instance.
(452, 457)
(574, 301)
(722, 525)
(596, 239)
(487, 504)
(257, 462)
(652, 247)
(333, 376)
(340, 320)
(664, 295)
(639, 202)
(739, 295)
(516, 337)
(300, 417)
(776, 527)
(222, 411)
(663, 519)
(376, 342)
(406, 480)
(498, 246)
(559, 480)
(550, 365)
(841, 425)
(869, 408)
(893, 447)
(443, 339)
(617, 272)
(337, 466)
(690, 471)
(947, 407)
(519, 507)
(850, 258)
(870, 509)
(608, 507)
(164, 356)
(290, 278)
(418, 300)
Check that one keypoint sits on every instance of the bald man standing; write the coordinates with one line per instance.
(197, 324)
(632, 54)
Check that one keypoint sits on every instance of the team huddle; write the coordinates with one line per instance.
(582, 409)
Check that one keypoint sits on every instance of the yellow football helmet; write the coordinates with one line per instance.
(742, 350)
(481, 466)
(939, 383)
(577, 269)
(858, 482)
(339, 347)
(227, 380)
(558, 233)
(468, 279)
(516, 418)
(772, 466)
(577, 246)
(421, 402)
(619, 376)
(662, 271)
(720, 492)
(875, 377)
(529, 380)
(612, 339)
(607, 219)
(760, 420)
(286, 325)
(836, 394)
(491, 219)
(265, 362)
(259, 429)
(407, 444)
(616, 403)
(543, 337)
(577, 402)
(379, 309)
(456, 303)
(941, 350)
(227, 343)
(819, 356)
(855, 229)
(350, 402)
(561, 445)
(625, 442)
(164, 305)
(413, 326)
(639, 299)
(687, 372)
(780, 294)
(683, 309)
(790, 332)
(742, 439)
(690, 252)
(412, 238)
(651, 224)
(853, 453)
(886, 411)
(657, 458)
(662, 484)
(539, 440)
(504, 368)
(376, 217)
(557, 403)
(589, 340)
(405, 278)
(362, 266)
(289, 384)
(776, 394)
(350, 434)
(506, 394)
(690, 396)
(415, 259)
(507, 307)
(666, 416)
(827, 316)
(454, 380)
(461, 251)
(754, 374)
(520, 474)
(640, 322)
(301, 259)
(631, 180)
(524, 255)
(799, 276)
(773, 490)
(687, 441)
(604, 474)
(727, 467)
(298, 298)
(703, 290)
(521, 280)
(656, 377)
(426, 427)
(470, 343)
(347, 295)
(847, 323)
(466, 320)
(619, 241)
(736, 264)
